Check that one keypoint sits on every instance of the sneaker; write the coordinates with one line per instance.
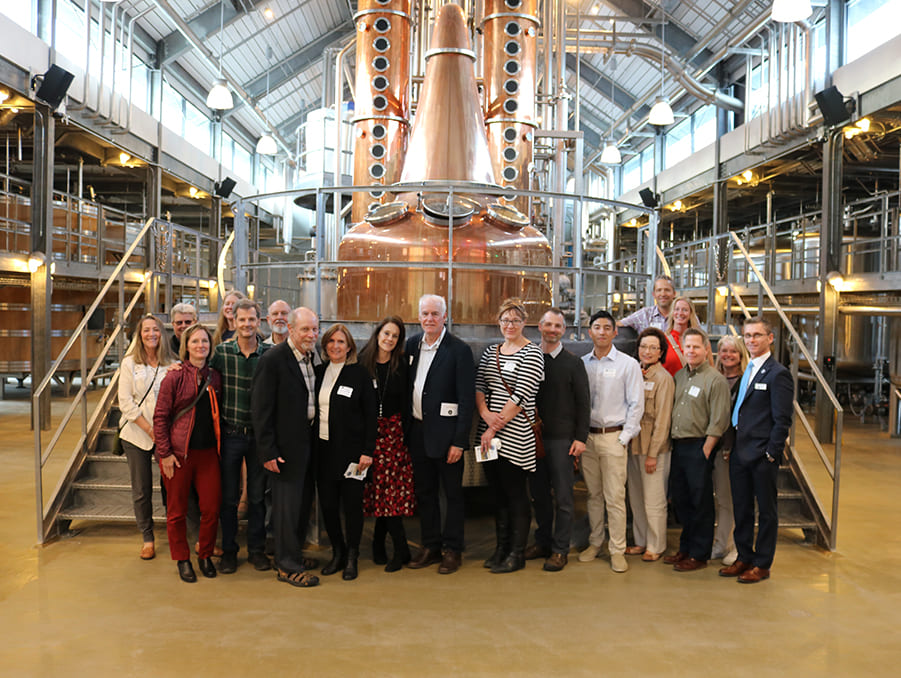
(229, 563)
(259, 561)
(589, 554)
(618, 562)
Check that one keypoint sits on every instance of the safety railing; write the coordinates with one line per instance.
(824, 472)
(46, 513)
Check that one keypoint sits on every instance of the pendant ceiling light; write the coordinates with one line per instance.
(661, 113)
(220, 98)
(611, 154)
(790, 11)
(266, 145)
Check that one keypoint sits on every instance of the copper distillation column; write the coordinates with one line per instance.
(448, 143)
(509, 54)
(381, 98)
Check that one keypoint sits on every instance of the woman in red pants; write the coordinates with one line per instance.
(186, 429)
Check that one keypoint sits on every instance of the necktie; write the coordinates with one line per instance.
(742, 390)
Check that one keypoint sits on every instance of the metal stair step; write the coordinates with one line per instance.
(106, 506)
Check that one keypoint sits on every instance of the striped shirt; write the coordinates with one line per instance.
(523, 371)
(237, 373)
(643, 318)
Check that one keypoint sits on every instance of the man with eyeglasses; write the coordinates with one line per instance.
(183, 316)
(762, 416)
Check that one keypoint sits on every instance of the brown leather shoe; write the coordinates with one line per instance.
(450, 562)
(425, 558)
(754, 575)
(556, 562)
(148, 552)
(689, 565)
(536, 551)
(634, 550)
(735, 569)
(673, 559)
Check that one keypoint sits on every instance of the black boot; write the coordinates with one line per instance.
(338, 561)
(350, 570)
(516, 559)
(379, 554)
(401, 549)
(502, 533)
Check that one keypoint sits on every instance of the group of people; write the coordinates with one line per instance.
(381, 432)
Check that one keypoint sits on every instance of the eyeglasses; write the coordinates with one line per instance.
(511, 322)
(649, 347)
(756, 335)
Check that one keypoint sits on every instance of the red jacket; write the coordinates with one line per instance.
(178, 390)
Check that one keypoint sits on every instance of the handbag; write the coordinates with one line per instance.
(118, 450)
(536, 424)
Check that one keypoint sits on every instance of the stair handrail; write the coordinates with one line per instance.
(46, 518)
(833, 468)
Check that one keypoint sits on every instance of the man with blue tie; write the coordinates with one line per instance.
(761, 417)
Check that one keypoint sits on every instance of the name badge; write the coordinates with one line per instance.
(760, 387)
(609, 372)
(375, 384)
(649, 386)
(411, 359)
(448, 409)
(345, 391)
(509, 366)
(694, 391)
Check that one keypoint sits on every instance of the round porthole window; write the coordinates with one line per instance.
(376, 170)
(510, 106)
(510, 174)
(511, 47)
(380, 83)
(381, 63)
(382, 24)
(377, 151)
(379, 131)
(510, 134)
(511, 67)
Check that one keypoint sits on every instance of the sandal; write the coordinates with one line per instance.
(300, 579)
(650, 557)
(634, 550)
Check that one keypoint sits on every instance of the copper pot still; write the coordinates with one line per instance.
(449, 144)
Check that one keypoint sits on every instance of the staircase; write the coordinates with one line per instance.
(794, 510)
(101, 490)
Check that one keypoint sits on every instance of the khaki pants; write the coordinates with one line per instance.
(647, 497)
(604, 470)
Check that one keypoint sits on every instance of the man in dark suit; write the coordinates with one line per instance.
(442, 383)
(282, 410)
(762, 416)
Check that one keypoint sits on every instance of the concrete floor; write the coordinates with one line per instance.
(87, 605)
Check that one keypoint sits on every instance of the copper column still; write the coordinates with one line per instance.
(381, 97)
(448, 143)
(510, 45)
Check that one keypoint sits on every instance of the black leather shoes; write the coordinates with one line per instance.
(229, 563)
(425, 558)
(259, 560)
(207, 569)
(350, 570)
(186, 571)
(338, 562)
(450, 562)
(511, 563)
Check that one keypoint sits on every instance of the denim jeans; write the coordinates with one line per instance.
(235, 449)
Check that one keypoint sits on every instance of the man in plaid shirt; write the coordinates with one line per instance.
(237, 360)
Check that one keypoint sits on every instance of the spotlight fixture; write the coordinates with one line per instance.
(790, 11)
(52, 86)
(611, 155)
(124, 158)
(224, 188)
(648, 198)
(831, 103)
(4, 95)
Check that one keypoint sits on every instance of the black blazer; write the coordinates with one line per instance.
(451, 381)
(765, 414)
(352, 412)
(278, 407)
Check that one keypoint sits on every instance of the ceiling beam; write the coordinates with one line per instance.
(293, 65)
(600, 82)
(677, 39)
(205, 25)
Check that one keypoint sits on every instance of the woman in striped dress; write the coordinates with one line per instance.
(506, 384)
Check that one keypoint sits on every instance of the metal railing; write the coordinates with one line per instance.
(827, 521)
(90, 426)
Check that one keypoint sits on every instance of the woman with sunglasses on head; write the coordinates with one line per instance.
(389, 496)
(649, 462)
(140, 375)
(507, 382)
(186, 427)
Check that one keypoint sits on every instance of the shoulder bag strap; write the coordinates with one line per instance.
(146, 393)
(675, 347)
(200, 392)
(497, 358)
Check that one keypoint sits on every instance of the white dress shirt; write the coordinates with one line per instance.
(325, 394)
(426, 356)
(617, 392)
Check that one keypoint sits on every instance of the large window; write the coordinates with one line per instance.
(678, 143)
(197, 128)
(871, 23)
(20, 11)
(631, 173)
(704, 120)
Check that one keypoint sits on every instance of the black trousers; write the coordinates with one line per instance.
(691, 487)
(429, 475)
(288, 497)
(754, 480)
(336, 493)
